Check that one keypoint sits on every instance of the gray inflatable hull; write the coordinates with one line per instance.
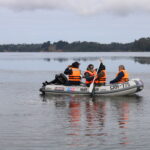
(127, 88)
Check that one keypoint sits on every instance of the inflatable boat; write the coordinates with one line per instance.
(127, 88)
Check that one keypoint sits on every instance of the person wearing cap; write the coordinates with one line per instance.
(122, 75)
(74, 74)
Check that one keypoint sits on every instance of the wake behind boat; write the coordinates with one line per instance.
(128, 88)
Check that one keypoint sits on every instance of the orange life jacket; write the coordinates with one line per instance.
(76, 75)
(125, 78)
(91, 75)
(101, 79)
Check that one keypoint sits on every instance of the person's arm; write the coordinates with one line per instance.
(118, 78)
(101, 67)
(68, 71)
(88, 77)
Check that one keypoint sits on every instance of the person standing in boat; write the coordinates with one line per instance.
(101, 75)
(122, 76)
(91, 73)
(74, 74)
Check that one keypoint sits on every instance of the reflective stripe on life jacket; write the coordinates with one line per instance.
(125, 78)
(75, 76)
(101, 79)
(92, 74)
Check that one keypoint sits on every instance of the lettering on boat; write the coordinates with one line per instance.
(83, 89)
(59, 88)
(49, 88)
(119, 86)
(103, 90)
(96, 89)
(126, 84)
(71, 89)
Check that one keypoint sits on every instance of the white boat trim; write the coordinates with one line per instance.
(127, 88)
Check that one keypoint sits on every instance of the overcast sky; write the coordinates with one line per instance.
(104, 21)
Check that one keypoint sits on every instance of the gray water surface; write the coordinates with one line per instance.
(29, 121)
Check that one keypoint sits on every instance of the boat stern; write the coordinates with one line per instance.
(42, 90)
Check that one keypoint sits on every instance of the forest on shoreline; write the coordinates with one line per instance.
(140, 45)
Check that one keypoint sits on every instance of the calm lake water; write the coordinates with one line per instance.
(29, 121)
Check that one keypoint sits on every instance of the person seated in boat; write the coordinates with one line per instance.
(74, 74)
(122, 76)
(91, 73)
(60, 79)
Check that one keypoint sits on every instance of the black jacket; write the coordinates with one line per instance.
(68, 71)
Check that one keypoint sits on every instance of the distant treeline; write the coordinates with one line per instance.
(142, 44)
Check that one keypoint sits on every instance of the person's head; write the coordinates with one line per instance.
(121, 67)
(75, 64)
(90, 67)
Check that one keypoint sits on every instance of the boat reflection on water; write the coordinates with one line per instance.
(97, 117)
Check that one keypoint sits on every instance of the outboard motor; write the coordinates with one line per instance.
(140, 84)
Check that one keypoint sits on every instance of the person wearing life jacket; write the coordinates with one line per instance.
(89, 74)
(122, 76)
(100, 75)
(74, 74)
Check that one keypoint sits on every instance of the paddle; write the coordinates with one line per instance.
(91, 88)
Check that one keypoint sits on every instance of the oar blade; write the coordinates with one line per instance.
(91, 87)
